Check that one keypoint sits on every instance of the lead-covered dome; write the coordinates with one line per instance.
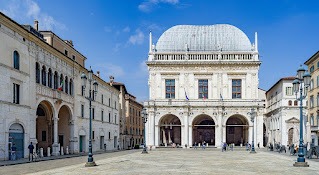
(203, 38)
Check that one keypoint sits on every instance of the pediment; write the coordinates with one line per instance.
(292, 120)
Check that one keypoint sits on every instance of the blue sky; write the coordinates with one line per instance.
(113, 34)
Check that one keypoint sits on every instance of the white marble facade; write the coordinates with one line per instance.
(219, 55)
(282, 114)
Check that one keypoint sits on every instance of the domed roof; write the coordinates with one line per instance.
(203, 38)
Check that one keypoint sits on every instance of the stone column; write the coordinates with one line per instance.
(218, 131)
(72, 138)
(55, 146)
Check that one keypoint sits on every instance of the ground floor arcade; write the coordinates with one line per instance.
(188, 128)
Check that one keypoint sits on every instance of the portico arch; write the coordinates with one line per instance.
(64, 128)
(170, 130)
(237, 128)
(203, 129)
(45, 125)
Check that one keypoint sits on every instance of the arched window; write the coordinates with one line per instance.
(71, 87)
(37, 72)
(66, 85)
(55, 80)
(44, 77)
(16, 60)
(290, 103)
(61, 83)
(50, 78)
(296, 103)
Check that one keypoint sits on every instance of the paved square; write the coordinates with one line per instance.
(190, 161)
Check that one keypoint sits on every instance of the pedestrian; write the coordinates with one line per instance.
(31, 147)
(258, 144)
(222, 145)
(13, 151)
(195, 145)
(225, 146)
(204, 145)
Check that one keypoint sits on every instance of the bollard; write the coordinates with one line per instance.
(199, 145)
(48, 152)
(41, 152)
(241, 145)
(206, 144)
(67, 150)
(62, 153)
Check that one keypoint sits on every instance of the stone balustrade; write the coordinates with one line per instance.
(203, 57)
(54, 93)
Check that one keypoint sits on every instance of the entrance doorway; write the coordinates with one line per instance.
(101, 142)
(170, 130)
(290, 136)
(204, 130)
(237, 130)
(16, 138)
(82, 144)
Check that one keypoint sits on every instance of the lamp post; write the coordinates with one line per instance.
(144, 119)
(302, 79)
(252, 118)
(90, 161)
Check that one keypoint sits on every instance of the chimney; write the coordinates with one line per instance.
(71, 42)
(98, 73)
(111, 80)
(36, 24)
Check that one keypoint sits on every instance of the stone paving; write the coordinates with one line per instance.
(182, 161)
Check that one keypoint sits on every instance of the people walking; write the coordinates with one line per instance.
(203, 145)
(258, 144)
(195, 145)
(13, 151)
(222, 145)
(31, 147)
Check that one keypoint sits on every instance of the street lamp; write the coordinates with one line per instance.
(144, 119)
(90, 161)
(252, 118)
(303, 78)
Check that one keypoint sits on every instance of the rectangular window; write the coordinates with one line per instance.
(311, 102)
(109, 117)
(66, 52)
(102, 115)
(236, 89)
(289, 91)
(93, 135)
(82, 91)
(203, 89)
(16, 93)
(73, 57)
(317, 81)
(311, 84)
(115, 118)
(82, 111)
(109, 135)
(93, 112)
(44, 136)
(170, 88)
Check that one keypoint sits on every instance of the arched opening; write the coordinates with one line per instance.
(71, 88)
(237, 130)
(44, 126)
(37, 72)
(64, 128)
(66, 85)
(16, 60)
(16, 139)
(44, 77)
(61, 86)
(56, 80)
(203, 130)
(50, 78)
(290, 136)
(170, 130)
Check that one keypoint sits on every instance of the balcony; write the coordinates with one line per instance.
(54, 94)
(314, 128)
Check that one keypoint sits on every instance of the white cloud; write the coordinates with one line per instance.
(127, 29)
(148, 5)
(25, 11)
(137, 38)
(108, 69)
(117, 47)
